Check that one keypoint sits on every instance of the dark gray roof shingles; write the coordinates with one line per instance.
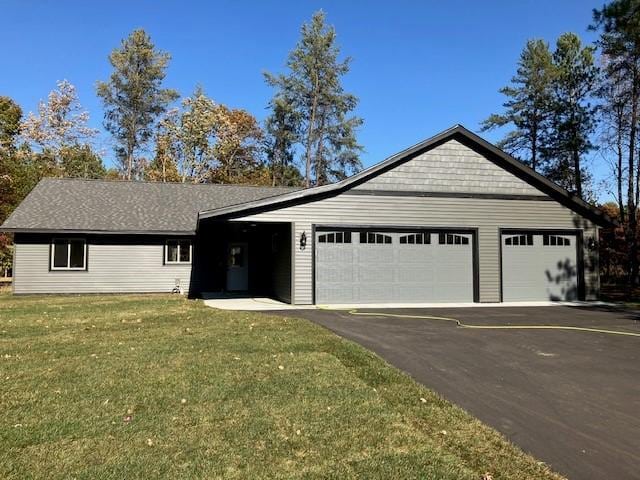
(119, 206)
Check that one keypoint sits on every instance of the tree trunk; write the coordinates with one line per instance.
(321, 165)
(620, 152)
(578, 173)
(534, 145)
(534, 151)
(632, 228)
(131, 145)
(310, 133)
(129, 165)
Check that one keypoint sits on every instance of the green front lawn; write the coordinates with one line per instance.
(158, 386)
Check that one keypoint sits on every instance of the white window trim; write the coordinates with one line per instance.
(177, 262)
(52, 254)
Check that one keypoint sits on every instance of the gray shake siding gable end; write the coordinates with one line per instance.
(450, 219)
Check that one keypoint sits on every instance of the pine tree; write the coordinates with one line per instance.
(574, 117)
(80, 161)
(619, 41)
(528, 105)
(614, 115)
(134, 98)
(280, 138)
(312, 86)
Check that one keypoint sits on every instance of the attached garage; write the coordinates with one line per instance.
(386, 265)
(450, 219)
(541, 265)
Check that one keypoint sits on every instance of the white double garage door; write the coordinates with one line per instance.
(365, 266)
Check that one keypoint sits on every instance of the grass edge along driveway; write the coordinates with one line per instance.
(148, 386)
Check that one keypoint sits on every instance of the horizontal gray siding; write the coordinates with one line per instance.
(450, 167)
(117, 266)
(281, 274)
(302, 264)
(488, 215)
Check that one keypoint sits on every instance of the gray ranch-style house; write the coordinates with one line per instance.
(451, 219)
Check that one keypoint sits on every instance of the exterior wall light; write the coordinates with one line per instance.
(303, 241)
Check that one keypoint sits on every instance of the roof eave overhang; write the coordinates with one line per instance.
(71, 231)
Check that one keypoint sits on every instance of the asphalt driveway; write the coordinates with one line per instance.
(570, 398)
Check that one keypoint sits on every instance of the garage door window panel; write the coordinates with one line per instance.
(375, 238)
(555, 241)
(519, 240)
(335, 237)
(415, 239)
(452, 239)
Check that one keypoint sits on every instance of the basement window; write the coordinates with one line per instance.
(177, 252)
(335, 237)
(375, 238)
(519, 240)
(555, 241)
(452, 239)
(68, 254)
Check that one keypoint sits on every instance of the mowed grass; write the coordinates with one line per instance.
(113, 387)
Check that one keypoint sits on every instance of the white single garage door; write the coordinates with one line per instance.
(370, 266)
(539, 266)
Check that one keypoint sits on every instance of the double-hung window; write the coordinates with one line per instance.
(68, 254)
(177, 251)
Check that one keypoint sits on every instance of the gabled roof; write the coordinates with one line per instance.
(457, 132)
(108, 206)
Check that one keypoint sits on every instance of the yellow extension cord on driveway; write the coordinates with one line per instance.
(495, 327)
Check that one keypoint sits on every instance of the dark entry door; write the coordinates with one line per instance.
(237, 267)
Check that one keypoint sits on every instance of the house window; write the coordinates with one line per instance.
(452, 239)
(519, 240)
(335, 237)
(416, 239)
(374, 238)
(177, 251)
(68, 254)
(554, 240)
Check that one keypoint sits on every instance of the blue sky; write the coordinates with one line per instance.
(418, 66)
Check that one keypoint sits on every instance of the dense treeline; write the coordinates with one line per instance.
(563, 104)
(158, 136)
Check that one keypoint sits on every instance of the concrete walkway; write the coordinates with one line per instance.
(253, 304)
(258, 304)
